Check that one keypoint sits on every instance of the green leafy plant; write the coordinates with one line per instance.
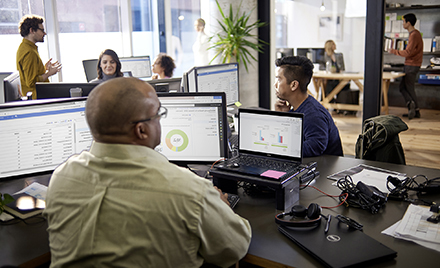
(5, 199)
(235, 40)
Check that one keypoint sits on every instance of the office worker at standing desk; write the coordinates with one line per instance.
(123, 204)
(269, 248)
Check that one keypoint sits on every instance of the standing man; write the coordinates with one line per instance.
(29, 63)
(293, 75)
(413, 54)
(122, 204)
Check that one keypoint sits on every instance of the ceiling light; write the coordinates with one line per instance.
(322, 8)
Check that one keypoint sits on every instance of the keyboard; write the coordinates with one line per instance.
(233, 200)
(263, 162)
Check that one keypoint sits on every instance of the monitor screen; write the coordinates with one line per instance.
(218, 78)
(194, 130)
(38, 135)
(140, 67)
(191, 81)
(63, 90)
(167, 84)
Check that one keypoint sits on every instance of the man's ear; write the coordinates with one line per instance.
(141, 131)
(294, 85)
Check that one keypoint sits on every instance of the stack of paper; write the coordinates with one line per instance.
(415, 227)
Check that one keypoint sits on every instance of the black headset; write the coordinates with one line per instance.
(310, 216)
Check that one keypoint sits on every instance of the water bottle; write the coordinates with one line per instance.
(328, 66)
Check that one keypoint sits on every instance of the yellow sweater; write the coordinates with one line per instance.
(30, 67)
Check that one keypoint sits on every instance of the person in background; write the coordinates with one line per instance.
(335, 62)
(109, 66)
(163, 67)
(200, 47)
(122, 204)
(29, 64)
(293, 75)
(413, 54)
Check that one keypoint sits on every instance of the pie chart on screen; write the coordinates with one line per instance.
(176, 140)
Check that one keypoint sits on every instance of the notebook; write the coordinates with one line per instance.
(354, 248)
(266, 136)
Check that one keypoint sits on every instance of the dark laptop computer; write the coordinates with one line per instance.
(340, 246)
(270, 144)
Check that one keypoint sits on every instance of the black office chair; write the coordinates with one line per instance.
(380, 141)
(11, 87)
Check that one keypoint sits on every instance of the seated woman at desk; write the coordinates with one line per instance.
(334, 64)
(163, 67)
(109, 66)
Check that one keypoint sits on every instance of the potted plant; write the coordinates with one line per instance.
(5, 199)
(234, 41)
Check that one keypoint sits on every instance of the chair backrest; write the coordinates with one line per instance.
(380, 141)
(12, 87)
(90, 69)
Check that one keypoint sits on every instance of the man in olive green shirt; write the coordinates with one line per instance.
(29, 63)
(122, 204)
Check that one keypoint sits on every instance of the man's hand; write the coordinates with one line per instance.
(52, 68)
(282, 106)
(223, 196)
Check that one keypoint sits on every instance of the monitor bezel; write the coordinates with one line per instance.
(22, 104)
(63, 89)
(224, 129)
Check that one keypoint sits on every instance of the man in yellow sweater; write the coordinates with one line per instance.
(29, 63)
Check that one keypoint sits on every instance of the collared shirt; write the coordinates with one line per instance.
(127, 206)
(30, 67)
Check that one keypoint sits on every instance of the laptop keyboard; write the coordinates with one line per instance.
(263, 162)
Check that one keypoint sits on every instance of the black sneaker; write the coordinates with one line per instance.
(417, 115)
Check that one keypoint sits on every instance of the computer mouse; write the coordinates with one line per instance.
(235, 165)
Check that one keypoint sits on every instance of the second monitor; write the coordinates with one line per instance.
(215, 78)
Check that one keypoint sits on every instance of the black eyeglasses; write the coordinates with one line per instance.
(162, 113)
(41, 29)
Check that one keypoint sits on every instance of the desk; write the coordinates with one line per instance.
(270, 248)
(320, 81)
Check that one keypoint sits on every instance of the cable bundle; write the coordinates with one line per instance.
(361, 195)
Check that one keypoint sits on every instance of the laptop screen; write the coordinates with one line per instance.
(38, 135)
(194, 129)
(271, 133)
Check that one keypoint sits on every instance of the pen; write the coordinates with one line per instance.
(327, 225)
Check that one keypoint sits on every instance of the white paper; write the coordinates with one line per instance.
(391, 232)
(396, 26)
(36, 190)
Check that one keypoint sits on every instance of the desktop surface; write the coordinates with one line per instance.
(269, 247)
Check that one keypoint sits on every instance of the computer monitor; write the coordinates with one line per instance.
(217, 78)
(167, 84)
(316, 55)
(11, 87)
(90, 69)
(194, 130)
(63, 90)
(190, 80)
(38, 135)
(283, 52)
(140, 67)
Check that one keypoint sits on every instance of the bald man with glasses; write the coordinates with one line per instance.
(29, 63)
(122, 204)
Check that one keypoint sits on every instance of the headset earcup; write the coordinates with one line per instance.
(313, 211)
(298, 211)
